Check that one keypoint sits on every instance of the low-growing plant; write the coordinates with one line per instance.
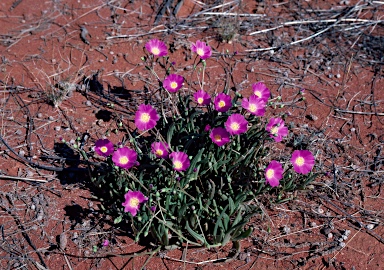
(192, 169)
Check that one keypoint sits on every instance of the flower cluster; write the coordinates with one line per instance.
(302, 161)
(196, 156)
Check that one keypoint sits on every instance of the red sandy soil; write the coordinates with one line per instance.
(341, 118)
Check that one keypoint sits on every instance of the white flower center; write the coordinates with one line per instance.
(173, 85)
(300, 161)
(134, 202)
(145, 117)
(155, 51)
(235, 126)
(123, 160)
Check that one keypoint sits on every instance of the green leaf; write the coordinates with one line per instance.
(243, 235)
(171, 129)
(218, 221)
(194, 234)
(231, 206)
(118, 220)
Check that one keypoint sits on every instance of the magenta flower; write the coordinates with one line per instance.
(202, 97)
(236, 124)
(160, 149)
(105, 243)
(207, 127)
(133, 199)
(156, 47)
(173, 82)
(203, 50)
(103, 147)
(124, 158)
(303, 161)
(180, 161)
(146, 117)
(254, 105)
(219, 136)
(222, 102)
(261, 91)
(274, 173)
(277, 129)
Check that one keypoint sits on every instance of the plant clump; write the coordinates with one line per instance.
(189, 172)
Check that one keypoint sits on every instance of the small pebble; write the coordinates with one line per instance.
(345, 237)
(57, 128)
(342, 244)
(338, 75)
(352, 129)
(370, 226)
(50, 118)
(39, 115)
(347, 232)
(22, 153)
(286, 230)
(312, 224)
(33, 207)
(330, 235)
(88, 103)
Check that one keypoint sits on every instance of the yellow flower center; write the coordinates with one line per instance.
(300, 161)
(145, 117)
(270, 173)
(134, 202)
(155, 51)
(258, 93)
(217, 138)
(103, 149)
(235, 126)
(177, 164)
(173, 85)
(200, 52)
(123, 160)
(274, 130)
(252, 107)
(159, 152)
(221, 104)
(200, 100)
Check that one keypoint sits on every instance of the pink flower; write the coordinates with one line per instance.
(222, 102)
(303, 161)
(173, 82)
(156, 47)
(236, 124)
(207, 127)
(254, 105)
(277, 129)
(261, 91)
(202, 97)
(124, 158)
(146, 117)
(274, 173)
(219, 136)
(103, 147)
(133, 199)
(201, 49)
(160, 149)
(105, 243)
(180, 161)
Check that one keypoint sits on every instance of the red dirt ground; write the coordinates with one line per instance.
(341, 118)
